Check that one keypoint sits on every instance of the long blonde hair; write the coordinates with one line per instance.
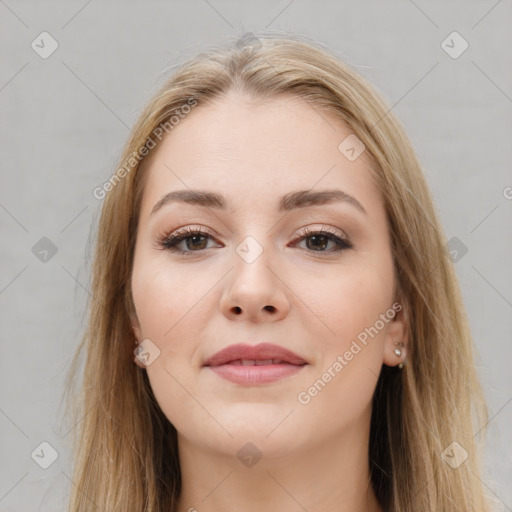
(125, 449)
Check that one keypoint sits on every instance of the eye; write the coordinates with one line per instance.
(318, 240)
(195, 240)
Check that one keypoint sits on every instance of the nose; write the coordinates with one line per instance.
(254, 291)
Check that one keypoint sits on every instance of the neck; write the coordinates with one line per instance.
(332, 476)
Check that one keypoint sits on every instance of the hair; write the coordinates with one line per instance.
(125, 449)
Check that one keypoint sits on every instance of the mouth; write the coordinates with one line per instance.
(260, 364)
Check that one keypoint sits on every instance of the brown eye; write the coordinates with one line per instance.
(318, 241)
(195, 241)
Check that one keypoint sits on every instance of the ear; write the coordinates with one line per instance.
(134, 322)
(397, 336)
(137, 331)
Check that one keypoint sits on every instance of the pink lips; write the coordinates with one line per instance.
(246, 364)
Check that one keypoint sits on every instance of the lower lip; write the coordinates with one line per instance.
(255, 374)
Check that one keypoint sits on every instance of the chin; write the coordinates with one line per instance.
(261, 425)
(257, 445)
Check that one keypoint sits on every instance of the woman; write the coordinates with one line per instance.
(276, 322)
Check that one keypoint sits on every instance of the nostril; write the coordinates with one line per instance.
(237, 309)
(270, 308)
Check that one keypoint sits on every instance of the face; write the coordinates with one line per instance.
(315, 278)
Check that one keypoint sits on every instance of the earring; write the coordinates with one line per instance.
(398, 352)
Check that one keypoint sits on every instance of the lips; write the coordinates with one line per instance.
(247, 365)
(259, 355)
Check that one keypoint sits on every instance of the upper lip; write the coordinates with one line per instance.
(263, 351)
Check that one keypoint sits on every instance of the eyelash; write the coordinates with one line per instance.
(169, 242)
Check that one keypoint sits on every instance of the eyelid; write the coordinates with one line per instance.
(327, 229)
(305, 230)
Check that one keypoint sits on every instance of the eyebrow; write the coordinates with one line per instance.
(288, 202)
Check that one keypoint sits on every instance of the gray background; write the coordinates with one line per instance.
(66, 117)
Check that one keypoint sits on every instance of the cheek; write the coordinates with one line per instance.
(173, 308)
(165, 297)
(166, 301)
(347, 305)
(349, 342)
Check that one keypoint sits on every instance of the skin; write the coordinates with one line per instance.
(314, 455)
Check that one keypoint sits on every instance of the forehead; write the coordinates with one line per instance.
(254, 152)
